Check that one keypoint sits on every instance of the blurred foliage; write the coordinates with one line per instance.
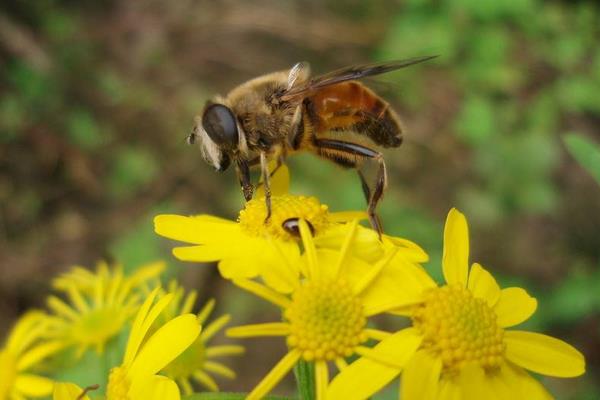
(97, 98)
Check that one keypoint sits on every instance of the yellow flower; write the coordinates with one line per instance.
(100, 304)
(145, 355)
(69, 391)
(23, 350)
(459, 347)
(325, 316)
(199, 360)
(243, 247)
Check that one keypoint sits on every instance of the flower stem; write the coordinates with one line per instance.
(305, 379)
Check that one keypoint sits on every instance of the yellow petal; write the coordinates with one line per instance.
(200, 229)
(275, 376)
(203, 253)
(421, 377)
(154, 387)
(483, 285)
(543, 354)
(514, 306)
(400, 284)
(321, 379)
(38, 353)
(136, 336)
(240, 267)
(449, 390)
(165, 345)
(280, 267)
(455, 261)
(475, 385)
(407, 249)
(364, 377)
(34, 385)
(68, 391)
(523, 385)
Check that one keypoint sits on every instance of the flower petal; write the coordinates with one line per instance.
(421, 377)
(514, 306)
(34, 385)
(154, 387)
(455, 261)
(204, 253)
(407, 249)
(543, 354)
(165, 345)
(364, 377)
(476, 385)
(449, 390)
(200, 229)
(483, 285)
(38, 353)
(275, 376)
(400, 284)
(522, 384)
(67, 391)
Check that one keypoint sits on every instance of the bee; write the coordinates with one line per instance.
(333, 116)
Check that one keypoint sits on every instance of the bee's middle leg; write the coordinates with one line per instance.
(349, 154)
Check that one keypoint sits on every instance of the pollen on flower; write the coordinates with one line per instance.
(326, 320)
(284, 207)
(118, 385)
(459, 328)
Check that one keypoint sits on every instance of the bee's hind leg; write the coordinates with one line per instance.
(266, 176)
(349, 154)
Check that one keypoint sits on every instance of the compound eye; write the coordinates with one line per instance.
(219, 123)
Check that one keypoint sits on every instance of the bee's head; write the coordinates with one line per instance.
(219, 134)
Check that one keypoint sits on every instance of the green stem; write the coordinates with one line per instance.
(305, 379)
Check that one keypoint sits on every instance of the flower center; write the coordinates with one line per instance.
(99, 325)
(118, 385)
(8, 373)
(188, 362)
(459, 328)
(283, 208)
(326, 319)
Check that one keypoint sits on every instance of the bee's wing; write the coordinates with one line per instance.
(346, 74)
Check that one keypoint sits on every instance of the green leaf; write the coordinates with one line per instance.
(305, 378)
(585, 152)
(228, 396)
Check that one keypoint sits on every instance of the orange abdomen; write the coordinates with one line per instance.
(351, 106)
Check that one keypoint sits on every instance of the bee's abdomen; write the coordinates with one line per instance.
(351, 106)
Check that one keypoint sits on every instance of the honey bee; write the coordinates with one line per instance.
(273, 116)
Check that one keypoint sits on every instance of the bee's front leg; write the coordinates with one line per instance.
(243, 172)
(266, 176)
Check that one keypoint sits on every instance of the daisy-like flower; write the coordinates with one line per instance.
(243, 247)
(459, 346)
(325, 316)
(24, 349)
(199, 360)
(146, 354)
(99, 304)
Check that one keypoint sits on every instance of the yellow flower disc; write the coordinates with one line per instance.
(459, 328)
(118, 385)
(284, 208)
(326, 320)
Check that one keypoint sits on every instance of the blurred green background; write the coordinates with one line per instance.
(96, 99)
